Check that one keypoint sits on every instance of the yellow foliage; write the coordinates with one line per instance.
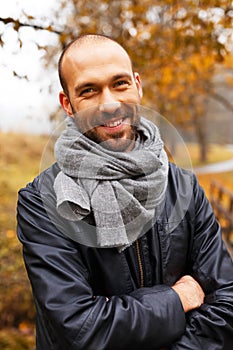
(10, 233)
(201, 63)
(175, 92)
(167, 75)
(229, 80)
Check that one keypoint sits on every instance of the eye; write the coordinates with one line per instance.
(121, 83)
(87, 92)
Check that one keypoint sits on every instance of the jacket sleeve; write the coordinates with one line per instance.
(211, 326)
(70, 316)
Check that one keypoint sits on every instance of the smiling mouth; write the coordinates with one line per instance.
(113, 124)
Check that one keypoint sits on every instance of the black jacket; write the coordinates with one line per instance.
(93, 299)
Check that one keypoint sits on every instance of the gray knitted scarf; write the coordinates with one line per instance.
(121, 191)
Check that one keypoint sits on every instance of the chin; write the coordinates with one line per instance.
(119, 142)
(118, 145)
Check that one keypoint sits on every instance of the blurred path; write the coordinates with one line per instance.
(220, 167)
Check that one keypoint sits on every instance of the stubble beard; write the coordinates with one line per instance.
(118, 141)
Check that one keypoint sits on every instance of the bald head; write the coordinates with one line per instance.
(86, 40)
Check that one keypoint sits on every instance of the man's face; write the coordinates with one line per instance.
(103, 94)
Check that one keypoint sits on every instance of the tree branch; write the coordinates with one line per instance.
(17, 24)
(222, 100)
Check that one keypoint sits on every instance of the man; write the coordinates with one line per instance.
(118, 258)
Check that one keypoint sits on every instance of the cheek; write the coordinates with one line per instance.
(86, 119)
(134, 96)
(81, 123)
(87, 108)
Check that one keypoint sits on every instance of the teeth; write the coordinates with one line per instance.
(113, 124)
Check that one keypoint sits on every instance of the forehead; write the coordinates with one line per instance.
(95, 60)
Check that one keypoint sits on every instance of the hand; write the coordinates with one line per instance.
(190, 293)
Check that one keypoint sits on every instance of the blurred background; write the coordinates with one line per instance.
(183, 51)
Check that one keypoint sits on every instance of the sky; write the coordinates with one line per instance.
(26, 105)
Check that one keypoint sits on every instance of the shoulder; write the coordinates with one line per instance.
(183, 191)
(40, 191)
(36, 205)
(43, 182)
(181, 178)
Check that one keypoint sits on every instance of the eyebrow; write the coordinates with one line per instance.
(86, 85)
(121, 75)
(83, 86)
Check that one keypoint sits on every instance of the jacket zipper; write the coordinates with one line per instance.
(141, 274)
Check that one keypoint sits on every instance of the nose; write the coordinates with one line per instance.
(108, 102)
(109, 108)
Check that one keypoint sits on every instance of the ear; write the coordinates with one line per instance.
(65, 103)
(138, 84)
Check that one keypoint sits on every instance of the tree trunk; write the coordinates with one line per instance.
(200, 127)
